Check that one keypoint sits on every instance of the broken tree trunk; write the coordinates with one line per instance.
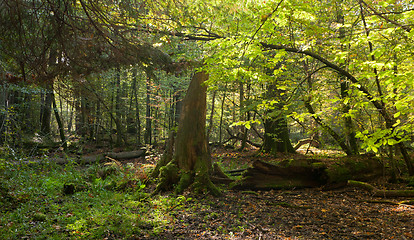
(303, 173)
(191, 160)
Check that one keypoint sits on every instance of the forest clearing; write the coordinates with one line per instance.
(227, 119)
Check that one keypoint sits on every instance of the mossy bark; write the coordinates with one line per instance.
(191, 154)
(191, 143)
(168, 176)
(302, 173)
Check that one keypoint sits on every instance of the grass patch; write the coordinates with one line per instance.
(35, 206)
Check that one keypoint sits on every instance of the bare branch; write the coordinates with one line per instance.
(381, 15)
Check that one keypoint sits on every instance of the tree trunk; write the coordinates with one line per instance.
(338, 139)
(120, 132)
(147, 135)
(192, 160)
(137, 107)
(210, 126)
(276, 137)
(59, 122)
(191, 144)
(46, 113)
(349, 129)
(222, 115)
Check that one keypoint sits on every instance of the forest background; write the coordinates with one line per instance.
(338, 71)
(113, 75)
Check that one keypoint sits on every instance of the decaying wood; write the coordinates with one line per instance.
(307, 172)
(92, 158)
(267, 176)
(191, 154)
(126, 155)
(381, 193)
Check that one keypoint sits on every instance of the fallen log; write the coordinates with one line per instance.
(308, 172)
(267, 176)
(126, 155)
(91, 158)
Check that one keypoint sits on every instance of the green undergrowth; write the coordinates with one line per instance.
(48, 201)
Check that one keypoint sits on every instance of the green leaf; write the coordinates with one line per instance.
(392, 141)
(397, 114)
(397, 123)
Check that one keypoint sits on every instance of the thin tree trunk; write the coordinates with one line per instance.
(344, 83)
(71, 110)
(222, 115)
(3, 112)
(338, 139)
(46, 113)
(210, 126)
(178, 105)
(243, 129)
(148, 121)
(120, 132)
(98, 122)
(59, 122)
(137, 107)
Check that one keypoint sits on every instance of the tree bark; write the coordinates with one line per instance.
(303, 173)
(191, 143)
(222, 115)
(120, 131)
(148, 121)
(276, 137)
(210, 126)
(137, 107)
(59, 122)
(338, 139)
(192, 157)
(46, 113)
(349, 129)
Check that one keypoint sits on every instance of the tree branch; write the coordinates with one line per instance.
(378, 105)
(200, 37)
(381, 15)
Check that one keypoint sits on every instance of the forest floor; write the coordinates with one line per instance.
(346, 213)
(33, 206)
